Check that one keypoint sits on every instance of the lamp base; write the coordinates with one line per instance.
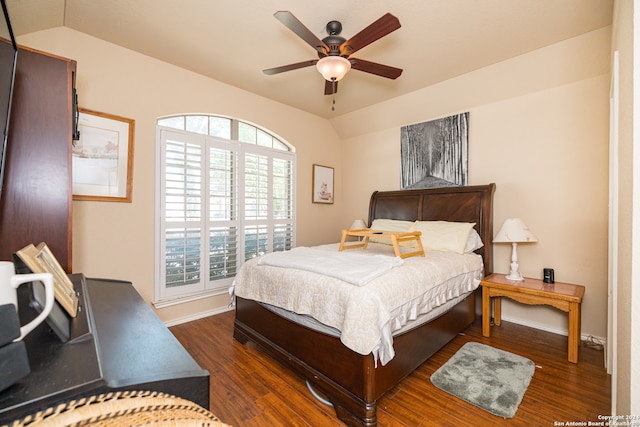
(515, 275)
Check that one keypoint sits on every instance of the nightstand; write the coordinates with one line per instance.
(563, 296)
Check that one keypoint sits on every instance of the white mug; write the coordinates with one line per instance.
(9, 282)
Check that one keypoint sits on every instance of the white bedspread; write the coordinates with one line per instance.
(354, 267)
(366, 315)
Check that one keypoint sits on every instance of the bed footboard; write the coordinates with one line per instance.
(342, 375)
(350, 381)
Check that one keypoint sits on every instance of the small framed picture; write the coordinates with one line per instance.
(103, 158)
(40, 259)
(322, 184)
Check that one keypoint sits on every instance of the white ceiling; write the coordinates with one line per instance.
(233, 41)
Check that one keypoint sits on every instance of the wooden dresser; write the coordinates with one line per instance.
(37, 194)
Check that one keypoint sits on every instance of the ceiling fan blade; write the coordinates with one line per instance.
(378, 29)
(283, 68)
(330, 87)
(375, 68)
(292, 23)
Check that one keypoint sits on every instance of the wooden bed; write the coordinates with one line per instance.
(350, 381)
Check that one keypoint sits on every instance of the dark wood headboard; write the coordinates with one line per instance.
(458, 204)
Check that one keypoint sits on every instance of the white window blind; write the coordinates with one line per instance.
(221, 202)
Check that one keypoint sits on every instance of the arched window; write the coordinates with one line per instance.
(225, 194)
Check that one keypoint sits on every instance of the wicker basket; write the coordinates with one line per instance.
(128, 408)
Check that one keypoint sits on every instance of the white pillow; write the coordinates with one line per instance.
(474, 242)
(388, 225)
(444, 235)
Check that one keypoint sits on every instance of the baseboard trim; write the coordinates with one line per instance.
(547, 328)
(197, 316)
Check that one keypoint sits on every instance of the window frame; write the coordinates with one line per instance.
(164, 296)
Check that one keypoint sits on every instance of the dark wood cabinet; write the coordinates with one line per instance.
(36, 200)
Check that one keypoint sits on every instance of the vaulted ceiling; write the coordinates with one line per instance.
(233, 41)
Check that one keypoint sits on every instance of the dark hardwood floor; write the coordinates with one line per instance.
(248, 388)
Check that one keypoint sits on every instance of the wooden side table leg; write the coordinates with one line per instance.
(574, 332)
(497, 310)
(486, 312)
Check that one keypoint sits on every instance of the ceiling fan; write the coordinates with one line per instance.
(334, 51)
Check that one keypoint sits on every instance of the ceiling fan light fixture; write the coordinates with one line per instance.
(333, 68)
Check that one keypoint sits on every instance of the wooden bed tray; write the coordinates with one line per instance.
(396, 237)
(350, 381)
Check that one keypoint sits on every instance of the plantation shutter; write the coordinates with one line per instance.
(221, 202)
(182, 195)
(223, 213)
(282, 200)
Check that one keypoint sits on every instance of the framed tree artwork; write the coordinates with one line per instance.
(435, 153)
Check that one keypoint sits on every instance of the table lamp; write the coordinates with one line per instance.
(358, 224)
(514, 231)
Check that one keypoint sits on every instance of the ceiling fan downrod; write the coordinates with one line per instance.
(333, 103)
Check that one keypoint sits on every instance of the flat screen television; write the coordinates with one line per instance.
(8, 58)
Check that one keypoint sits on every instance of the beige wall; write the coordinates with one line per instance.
(116, 240)
(538, 128)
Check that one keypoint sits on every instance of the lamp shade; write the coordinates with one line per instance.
(333, 68)
(514, 230)
(358, 224)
